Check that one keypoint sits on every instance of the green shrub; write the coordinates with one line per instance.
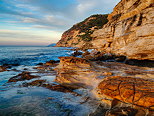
(85, 26)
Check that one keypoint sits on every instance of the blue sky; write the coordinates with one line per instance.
(41, 22)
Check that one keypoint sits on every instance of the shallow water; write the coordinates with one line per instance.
(40, 101)
(16, 100)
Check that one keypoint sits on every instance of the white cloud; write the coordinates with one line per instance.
(45, 15)
(29, 20)
(42, 37)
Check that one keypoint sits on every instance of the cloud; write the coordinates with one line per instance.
(55, 13)
(46, 15)
(42, 38)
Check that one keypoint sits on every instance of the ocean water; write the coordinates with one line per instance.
(30, 55)
(16, 100)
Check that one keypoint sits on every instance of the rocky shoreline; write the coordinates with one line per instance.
(119, 88)
(113, 63)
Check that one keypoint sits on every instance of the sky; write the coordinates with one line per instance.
(42, 22)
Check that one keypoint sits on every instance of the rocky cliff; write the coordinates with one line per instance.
(80, 34)
(129, 31)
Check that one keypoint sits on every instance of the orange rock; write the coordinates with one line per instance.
(131, 90)
(73, 60)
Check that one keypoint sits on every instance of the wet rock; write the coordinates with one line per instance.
(76, 53)
(131, 90)
(40, 64)
(68, 71)
(122, 111)
(54, 87)
(94, 56)
(59, 88)
(100, 111)
(51, 63)
(9, 65)
(48, 66)
(22, 76)
(34, 83)
(2, 69)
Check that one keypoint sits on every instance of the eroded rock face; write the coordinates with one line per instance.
(136, 91)
(129, 31)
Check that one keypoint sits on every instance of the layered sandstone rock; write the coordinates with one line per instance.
(129, 31)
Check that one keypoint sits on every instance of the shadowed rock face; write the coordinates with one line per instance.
(136, 91)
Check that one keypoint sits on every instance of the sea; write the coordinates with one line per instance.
(31, 55)
(16, 100)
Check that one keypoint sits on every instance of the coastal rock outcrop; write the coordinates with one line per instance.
(22, 76)
(118, 86)
(129, 31)
(70, 70)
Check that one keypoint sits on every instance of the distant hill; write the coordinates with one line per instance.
(51, 45)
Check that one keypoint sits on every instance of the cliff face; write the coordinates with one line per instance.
(129, 31)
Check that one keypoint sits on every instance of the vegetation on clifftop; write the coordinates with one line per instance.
(95, 22)
(81, 32)
(90, 24)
